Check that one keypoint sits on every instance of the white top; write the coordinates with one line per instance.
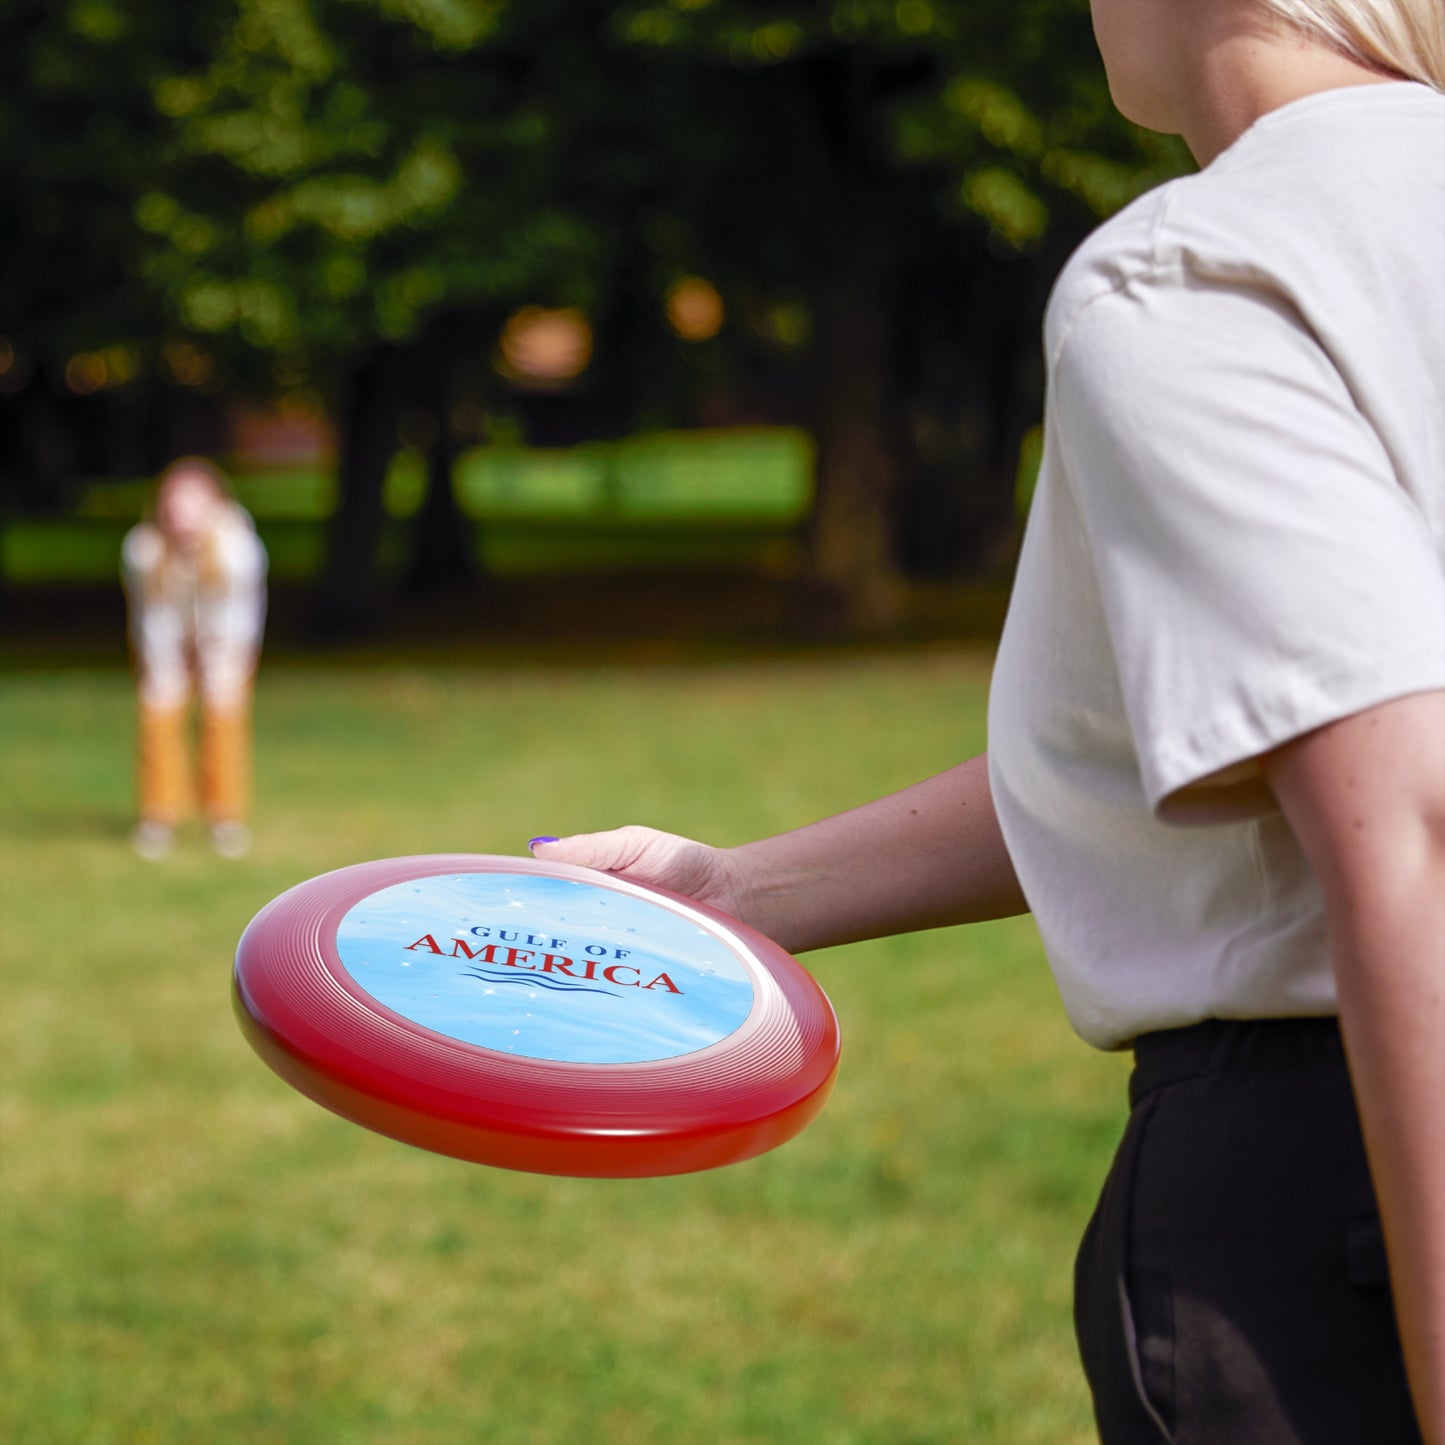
(196, 620)
(1238, 536)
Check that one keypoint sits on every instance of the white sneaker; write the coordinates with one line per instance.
(231, 839)
(152, 840)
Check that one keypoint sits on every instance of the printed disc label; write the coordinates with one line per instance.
(545, 968)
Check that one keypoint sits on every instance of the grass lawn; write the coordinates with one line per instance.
(192, 1252)
(734, 497)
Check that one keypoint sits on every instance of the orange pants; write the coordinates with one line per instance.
(163, 762)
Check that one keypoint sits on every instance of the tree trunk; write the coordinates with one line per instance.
(349, 597)
(444, 554)
(851, 262)
(851, 553)
(47, 450)
(442, 558)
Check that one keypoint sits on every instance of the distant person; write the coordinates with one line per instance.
(195, 582)
(1216, 766)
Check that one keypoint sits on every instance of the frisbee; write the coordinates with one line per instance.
(535, 1016)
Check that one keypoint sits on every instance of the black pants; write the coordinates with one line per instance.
(1231, 1288)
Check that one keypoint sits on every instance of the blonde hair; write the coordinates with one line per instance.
(193, 466)
(210, 571)
(1404, 37)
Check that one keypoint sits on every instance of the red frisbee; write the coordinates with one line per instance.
(535, 1016)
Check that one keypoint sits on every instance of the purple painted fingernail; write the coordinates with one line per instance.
(544, 839)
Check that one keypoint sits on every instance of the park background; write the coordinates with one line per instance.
(640, 403)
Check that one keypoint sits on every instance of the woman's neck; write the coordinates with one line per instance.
(1244, 69)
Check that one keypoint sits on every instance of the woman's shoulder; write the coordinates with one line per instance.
(237, 546)
(1337, 192)
(1117, 253)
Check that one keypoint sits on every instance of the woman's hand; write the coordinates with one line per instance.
(927, 857)
(657, 860)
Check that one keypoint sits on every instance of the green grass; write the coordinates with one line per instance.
(679, 499)
(87, 550)
(193, 1252)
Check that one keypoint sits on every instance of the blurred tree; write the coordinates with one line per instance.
(79, 139)
(917, 169)
(355, 194)
(368, 188)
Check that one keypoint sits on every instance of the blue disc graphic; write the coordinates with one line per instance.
(545, 968)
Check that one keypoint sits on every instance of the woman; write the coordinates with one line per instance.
(1217, 759)
(195, 581)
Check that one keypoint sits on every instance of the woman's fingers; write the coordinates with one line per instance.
(644, 855)
(616, 851)
(640, 853)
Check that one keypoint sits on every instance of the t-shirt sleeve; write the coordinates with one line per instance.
(1262, 568)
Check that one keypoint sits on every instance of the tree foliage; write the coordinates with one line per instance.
(353, 194)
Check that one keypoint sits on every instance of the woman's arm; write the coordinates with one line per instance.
(929, 856)
(1366, 799)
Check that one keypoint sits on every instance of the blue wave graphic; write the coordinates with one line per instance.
(623, 1024)
(535, 981)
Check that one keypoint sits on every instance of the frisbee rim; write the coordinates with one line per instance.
(321, 1030)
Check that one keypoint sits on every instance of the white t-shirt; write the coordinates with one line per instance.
(196, 620)
(1238, 536)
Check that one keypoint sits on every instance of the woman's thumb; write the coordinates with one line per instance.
(607, 852)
